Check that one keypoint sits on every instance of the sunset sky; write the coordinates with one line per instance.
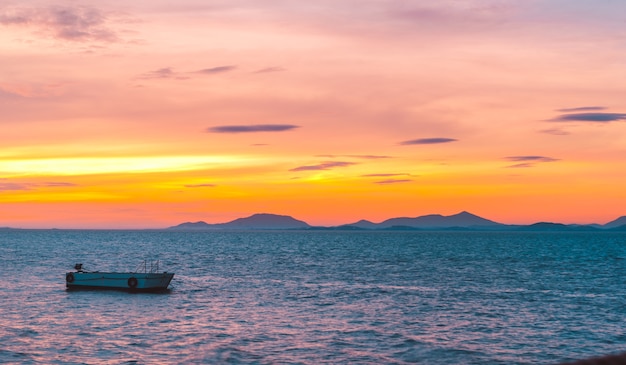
(146, 114)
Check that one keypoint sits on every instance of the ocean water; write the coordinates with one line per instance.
(316, 298)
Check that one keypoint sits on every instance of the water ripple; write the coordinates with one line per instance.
(316, 298)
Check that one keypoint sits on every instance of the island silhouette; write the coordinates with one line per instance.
(460, 221)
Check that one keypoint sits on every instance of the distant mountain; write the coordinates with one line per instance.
(363, 224)
(192, 226)
(618, 228)
(256, 221)
(345, 227)
(463, 219)
(616, 223)
(266, 221)
(557, 227)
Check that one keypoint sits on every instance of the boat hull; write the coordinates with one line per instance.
(134, 282)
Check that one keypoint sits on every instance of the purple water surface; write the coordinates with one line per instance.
(307, 297)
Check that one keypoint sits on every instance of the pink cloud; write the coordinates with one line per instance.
(77, 24)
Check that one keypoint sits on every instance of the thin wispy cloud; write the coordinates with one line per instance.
(15, 17)
(269, 70)
(393, 178)
(590, 117)
(462, 14)
(393, 181)
(385, 175)
(30, 90)
(7, 94)
(365, 157)
(162, 73)
(369, 157)
(200, 185)
(57, 184)
(323, 166)
(520, 166)
(77, 23)
(216, 70)
(9, 186)
(556, 132)
(581, 109)
(169, 73)
(421, 141)
(531, 158)
(253, 128)
(528, 161)
(26, 186)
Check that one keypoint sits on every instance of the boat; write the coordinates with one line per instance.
(146, 280)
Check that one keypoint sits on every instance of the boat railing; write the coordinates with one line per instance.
(148, 267)
(145, 267)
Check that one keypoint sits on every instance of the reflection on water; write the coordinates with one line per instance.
(316, 297)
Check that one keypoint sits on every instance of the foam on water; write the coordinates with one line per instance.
(316, 297)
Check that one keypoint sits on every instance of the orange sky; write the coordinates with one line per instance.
(146, 114)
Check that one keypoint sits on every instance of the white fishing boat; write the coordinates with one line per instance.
(148, 279)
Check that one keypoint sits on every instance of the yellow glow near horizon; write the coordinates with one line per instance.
(113, 165)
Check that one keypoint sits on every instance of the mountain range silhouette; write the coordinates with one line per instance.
(460, 221)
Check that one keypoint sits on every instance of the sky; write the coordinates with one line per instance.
(147, 114)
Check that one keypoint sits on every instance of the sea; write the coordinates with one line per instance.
(316, 297)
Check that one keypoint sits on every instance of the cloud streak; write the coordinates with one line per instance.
(590, 117)
(531, 158)
(77, 24)
(9, 186)
(581, 109)
(323, 166)
(384, 175)
(169, 73)
(364, 157)
(162, 73)
(528, 161)
(7, 94)
(24, 186)
(555, 132)
(421, 141)
(468, 16)
(216, 70)
(269, 70)
(200, 186)
(253, 128)
(393, 181)
(58, 184)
